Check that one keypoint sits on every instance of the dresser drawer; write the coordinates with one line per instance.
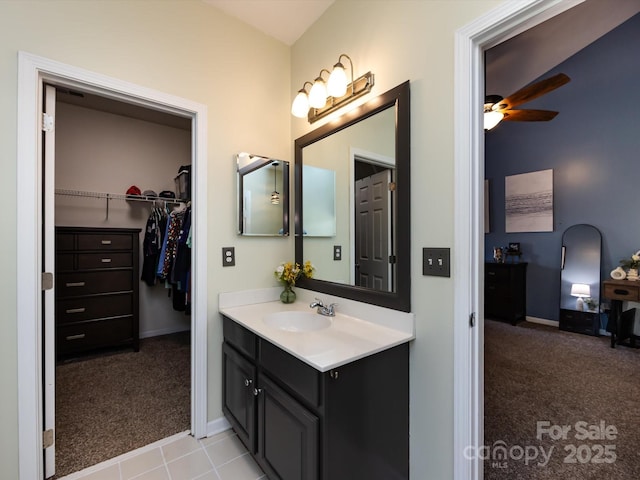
(64, 241)
(104, 241)
(87, 308)
(496, 274)
(293, 373)
(88, 283)
(626, 292)
(105, 260)
(87, 335)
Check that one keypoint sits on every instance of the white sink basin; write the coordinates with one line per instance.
(295, 321)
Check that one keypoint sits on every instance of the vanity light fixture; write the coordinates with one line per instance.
(275, 196)
(581, 291)
(324, 98)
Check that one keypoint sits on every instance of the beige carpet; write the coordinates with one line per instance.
(536, 373)
(109, 404)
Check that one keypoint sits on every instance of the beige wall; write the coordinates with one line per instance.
(185, 48)
(98, 151)
(398, 41)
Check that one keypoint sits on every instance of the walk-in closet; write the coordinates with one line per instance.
(123, 285)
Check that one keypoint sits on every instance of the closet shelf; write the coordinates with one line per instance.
(117, 196)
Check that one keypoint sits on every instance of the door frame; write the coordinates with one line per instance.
(32, 72)
(494, 27)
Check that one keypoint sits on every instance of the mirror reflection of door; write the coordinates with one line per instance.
(373, 221)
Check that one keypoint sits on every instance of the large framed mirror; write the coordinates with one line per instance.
(263, 195)
(367, 257)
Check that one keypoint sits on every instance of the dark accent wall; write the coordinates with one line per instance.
(593, 147)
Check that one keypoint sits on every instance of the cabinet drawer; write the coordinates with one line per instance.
(84, 336)
(579, 322)
(297, 375)
(496, 274)
(87, 283)
(105, 260)
(622, 292)
(64, 241)
(87, 308)
(242, 339)
(104, 241)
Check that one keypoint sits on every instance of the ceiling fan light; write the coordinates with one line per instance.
(300, 105)
(337, 83)
(318, 94)
(491, 119)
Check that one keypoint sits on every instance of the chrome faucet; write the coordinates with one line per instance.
(327, 311)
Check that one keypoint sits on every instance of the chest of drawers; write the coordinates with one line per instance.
(96, 288)
(505, 291)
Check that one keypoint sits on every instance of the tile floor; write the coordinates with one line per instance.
(180, 457)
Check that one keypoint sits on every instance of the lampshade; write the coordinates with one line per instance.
(491, 119)
(300, 106)
(337, 83)
(318, 93)
(580, 290)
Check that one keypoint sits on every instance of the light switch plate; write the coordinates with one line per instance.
(436, 262)
(228, 256)
(337, 252)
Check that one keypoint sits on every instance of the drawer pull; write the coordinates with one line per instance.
(619, 291)
(106, 260)
(76, 310)
(106, 242)
(491, 273)
(75, 284)
(80, 336)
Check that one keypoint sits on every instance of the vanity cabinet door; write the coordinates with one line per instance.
(288, 435)
(238, 395)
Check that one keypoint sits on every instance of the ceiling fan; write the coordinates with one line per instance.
(497, 108)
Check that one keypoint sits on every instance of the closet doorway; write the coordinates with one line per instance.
(123, 339)
(36, 229)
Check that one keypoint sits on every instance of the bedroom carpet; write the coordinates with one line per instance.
(121, 400)
(535, 373)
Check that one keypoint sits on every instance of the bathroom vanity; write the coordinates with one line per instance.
(328, 403)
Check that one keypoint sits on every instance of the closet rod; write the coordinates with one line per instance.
(117, 196)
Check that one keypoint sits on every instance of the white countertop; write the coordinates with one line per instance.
(348, 338)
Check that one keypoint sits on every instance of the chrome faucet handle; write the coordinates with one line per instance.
(318, 303)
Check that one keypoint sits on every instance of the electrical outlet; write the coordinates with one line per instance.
(337, 252)
(436, 262)
(228, 256)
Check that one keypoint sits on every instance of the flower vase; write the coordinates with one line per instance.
(632, 274)
(288, 295)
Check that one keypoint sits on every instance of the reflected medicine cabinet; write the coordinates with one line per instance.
(263, 196)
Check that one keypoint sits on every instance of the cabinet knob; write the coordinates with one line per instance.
(333, 374)
(247, 382)
(257, 391)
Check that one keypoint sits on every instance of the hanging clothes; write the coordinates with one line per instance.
(151, 246)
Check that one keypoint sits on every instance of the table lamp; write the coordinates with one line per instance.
(581, 291)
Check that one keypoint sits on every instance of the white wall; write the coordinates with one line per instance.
(102, 152)
(184, 48)
(398, 41)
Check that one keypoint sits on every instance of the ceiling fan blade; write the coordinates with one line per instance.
(532, 91)
(529, 115)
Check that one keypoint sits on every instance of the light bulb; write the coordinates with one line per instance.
(300, 106)
(491, 119)
(318, 94)
(337, 83)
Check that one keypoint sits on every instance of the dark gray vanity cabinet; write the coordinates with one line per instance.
(302, 424)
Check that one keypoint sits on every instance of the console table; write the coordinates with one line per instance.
(620, 323)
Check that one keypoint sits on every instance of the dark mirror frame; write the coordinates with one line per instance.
(400, 299)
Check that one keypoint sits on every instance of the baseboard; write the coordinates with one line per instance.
(163, 331)
(542, 321)
(217, 426)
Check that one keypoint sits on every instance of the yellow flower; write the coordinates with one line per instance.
(288, 272)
